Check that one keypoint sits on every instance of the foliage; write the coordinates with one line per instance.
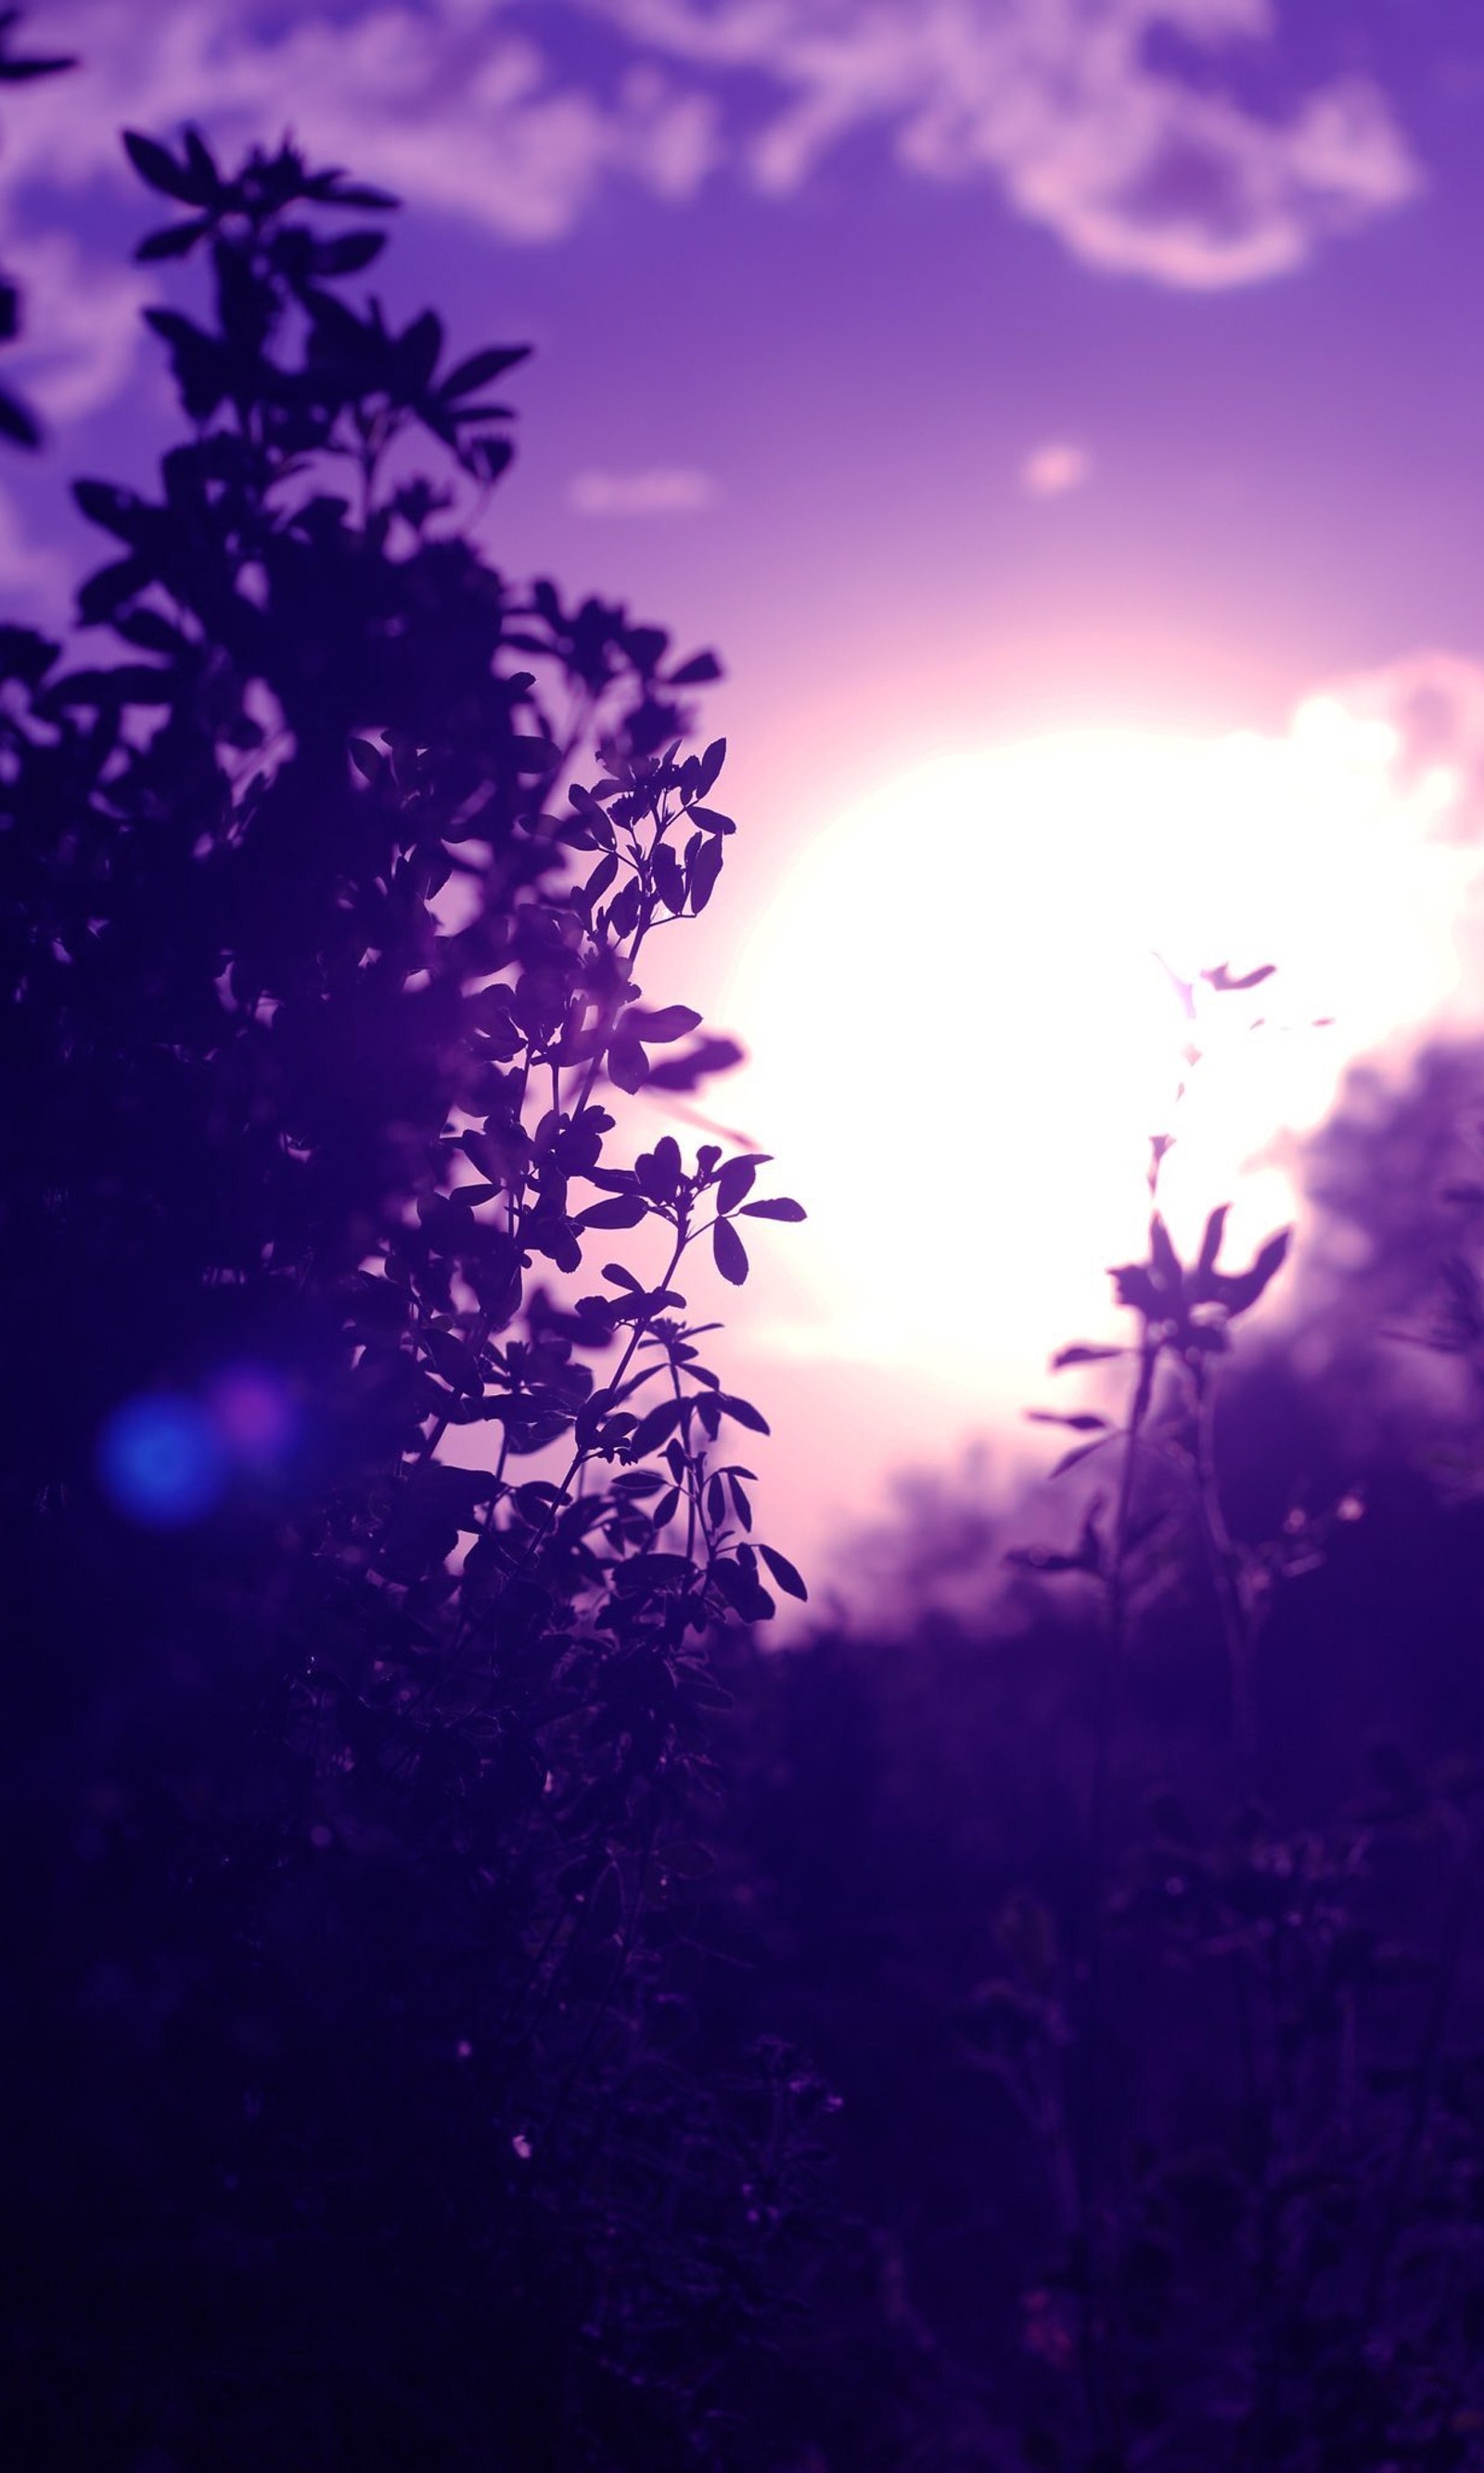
(1145, 1953)
(17, 422)
(364, 1992)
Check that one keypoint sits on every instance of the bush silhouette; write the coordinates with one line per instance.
(355, 2005)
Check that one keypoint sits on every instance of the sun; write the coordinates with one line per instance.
(978, 995)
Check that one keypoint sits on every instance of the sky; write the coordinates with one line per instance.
(1064, 418)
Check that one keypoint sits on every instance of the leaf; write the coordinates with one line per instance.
(659, 1171)
(480, 367)
(598, 882)
(1134, 1288)
(710, 822)
(1080, 1422)
(783, 1571)
(417, 352)
(1163, 1259)
(1210, 1241)
(742, 1411)
(623, 911)
(729, 1252)
(710, 766)
(663, 1023)
(702, 871)
(134, 682)
(200, 162)
(15, 72)
(17, 422)
(348, 252)
(200, 363)
(627, 1063)
(1239, 1291)
(657, 1427)
(367, 758)
(625, 1210)
(779, 1209)
(685, 1072)
(534, 754)
(669, 877)
(159, 168)
(174, 240)
(1083, 1353)
(735, 1183)
(117, 511)
(698, 672)
(645, 647)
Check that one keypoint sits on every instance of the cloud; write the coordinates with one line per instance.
(80, 325)
(35, 580)
(517, 116)
(1136, 169)
(457, 108)
(661, 489)
(1052, 470)
(1421, 718)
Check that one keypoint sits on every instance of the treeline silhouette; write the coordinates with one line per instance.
(469, 2001)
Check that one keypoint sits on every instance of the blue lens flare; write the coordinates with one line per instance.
(160, 1462)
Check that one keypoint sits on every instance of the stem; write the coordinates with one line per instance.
(1086, 2141)
(1227, 1574)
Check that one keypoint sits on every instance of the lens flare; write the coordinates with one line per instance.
(159, 1461)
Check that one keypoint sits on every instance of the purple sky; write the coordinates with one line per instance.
(960, 369)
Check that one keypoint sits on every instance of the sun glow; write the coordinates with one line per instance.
(975, 999)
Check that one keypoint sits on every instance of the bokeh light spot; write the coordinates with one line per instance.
(159, 1461)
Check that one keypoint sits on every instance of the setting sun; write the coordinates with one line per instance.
(999, 972)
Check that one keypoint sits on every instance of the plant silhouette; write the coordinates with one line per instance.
(1137, 1921)
(17, 421)
(359, 2062)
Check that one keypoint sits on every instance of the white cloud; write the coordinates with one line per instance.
(1052, 470)
(1421, 721)
(1136, 170)
(662, 490)
(461, 104)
